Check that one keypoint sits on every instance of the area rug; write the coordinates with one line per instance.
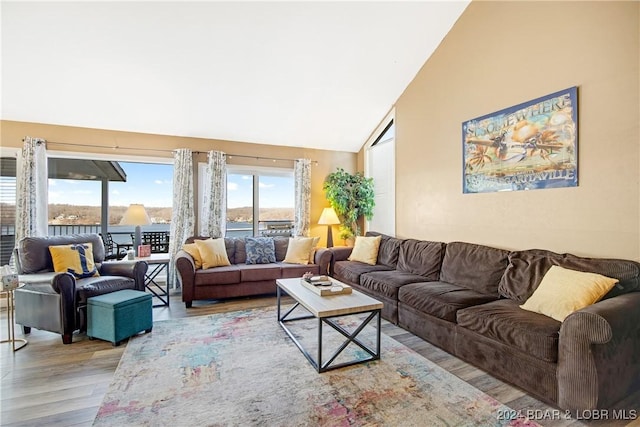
(241, 369)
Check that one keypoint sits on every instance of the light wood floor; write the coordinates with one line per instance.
(48, 383)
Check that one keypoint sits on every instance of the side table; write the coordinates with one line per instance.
(8, 293)
(157, 264)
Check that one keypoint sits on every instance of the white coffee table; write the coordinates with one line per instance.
(326, 309)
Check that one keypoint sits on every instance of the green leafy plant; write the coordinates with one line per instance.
(352, 197)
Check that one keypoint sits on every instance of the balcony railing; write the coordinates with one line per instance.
(122, 234)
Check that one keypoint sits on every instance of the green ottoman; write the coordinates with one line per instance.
(119, 315)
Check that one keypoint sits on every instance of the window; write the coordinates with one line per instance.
(86, 196)
(380, 165)
(258, 199)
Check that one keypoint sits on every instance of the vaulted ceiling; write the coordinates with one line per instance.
(305, 74)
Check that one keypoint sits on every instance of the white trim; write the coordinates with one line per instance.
(258, 170)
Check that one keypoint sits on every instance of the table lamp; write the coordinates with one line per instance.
(329, 218)
(136, 215)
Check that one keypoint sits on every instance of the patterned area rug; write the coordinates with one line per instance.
(241, 368)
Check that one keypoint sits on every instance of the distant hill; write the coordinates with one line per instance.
(64, 214)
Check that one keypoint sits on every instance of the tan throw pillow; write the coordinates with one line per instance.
(213, 252)
(312, 254)
(365, 249)
(298, 250)
(192, 249)
(563, 291)
(314, 248)
(76, 259)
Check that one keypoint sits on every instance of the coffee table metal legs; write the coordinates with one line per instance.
(350, 337)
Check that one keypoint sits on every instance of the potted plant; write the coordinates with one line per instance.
(352, 197)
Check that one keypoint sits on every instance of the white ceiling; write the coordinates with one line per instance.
(305, 74)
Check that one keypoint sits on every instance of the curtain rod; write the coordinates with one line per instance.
(117, 147)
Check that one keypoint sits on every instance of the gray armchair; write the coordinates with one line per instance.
(57, 302)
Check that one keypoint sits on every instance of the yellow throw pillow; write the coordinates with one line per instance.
(314, 248)
(298, 250)
(192, 249)
(76, 259)
(213, 252)
(563, 291)
(365, 249)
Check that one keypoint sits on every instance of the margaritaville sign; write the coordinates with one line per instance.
(529, 146)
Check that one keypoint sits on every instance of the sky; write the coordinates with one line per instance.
(151, 185)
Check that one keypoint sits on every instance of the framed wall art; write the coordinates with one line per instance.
(529, 146)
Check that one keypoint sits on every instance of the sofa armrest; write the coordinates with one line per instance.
(135, 270)
(186, 272)
(323, 258)
(339, 253)
(65, 285)
(599, 353)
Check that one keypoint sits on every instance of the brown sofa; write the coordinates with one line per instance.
(241, 279)
(57, 302)
(465, 299)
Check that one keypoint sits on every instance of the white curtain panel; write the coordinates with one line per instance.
(214, 211)
(302, 208)
(183, 215)
(32, 190)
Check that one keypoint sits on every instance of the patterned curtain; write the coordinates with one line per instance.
(183, 215)
(31, 190)
(302, 208)
(214, 218)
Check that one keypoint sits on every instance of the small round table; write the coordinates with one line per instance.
(8, 293)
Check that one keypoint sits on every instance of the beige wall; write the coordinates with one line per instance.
(160, 146)
(500, 54)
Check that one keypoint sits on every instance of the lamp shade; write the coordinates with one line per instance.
(135, 215)
(328, 217)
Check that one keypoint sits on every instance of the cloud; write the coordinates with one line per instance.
(83, 192)
(247, 177)
(232, 186)
(263, 185)
(116, 192)
(158, 181)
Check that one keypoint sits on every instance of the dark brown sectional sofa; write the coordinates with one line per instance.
(240, 279)
(465, 298)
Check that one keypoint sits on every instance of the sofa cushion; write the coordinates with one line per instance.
(388, 250)
(441, 299)
(350, 271)
(421, 258)
(34, 255)
(217, 276)
(260, 250)
(527, 268)
(563, 291)
(502, 320)
(387, 283)
(281, 245)
(297, 270)
(257, 272)
(93, 286)
(474, 266)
